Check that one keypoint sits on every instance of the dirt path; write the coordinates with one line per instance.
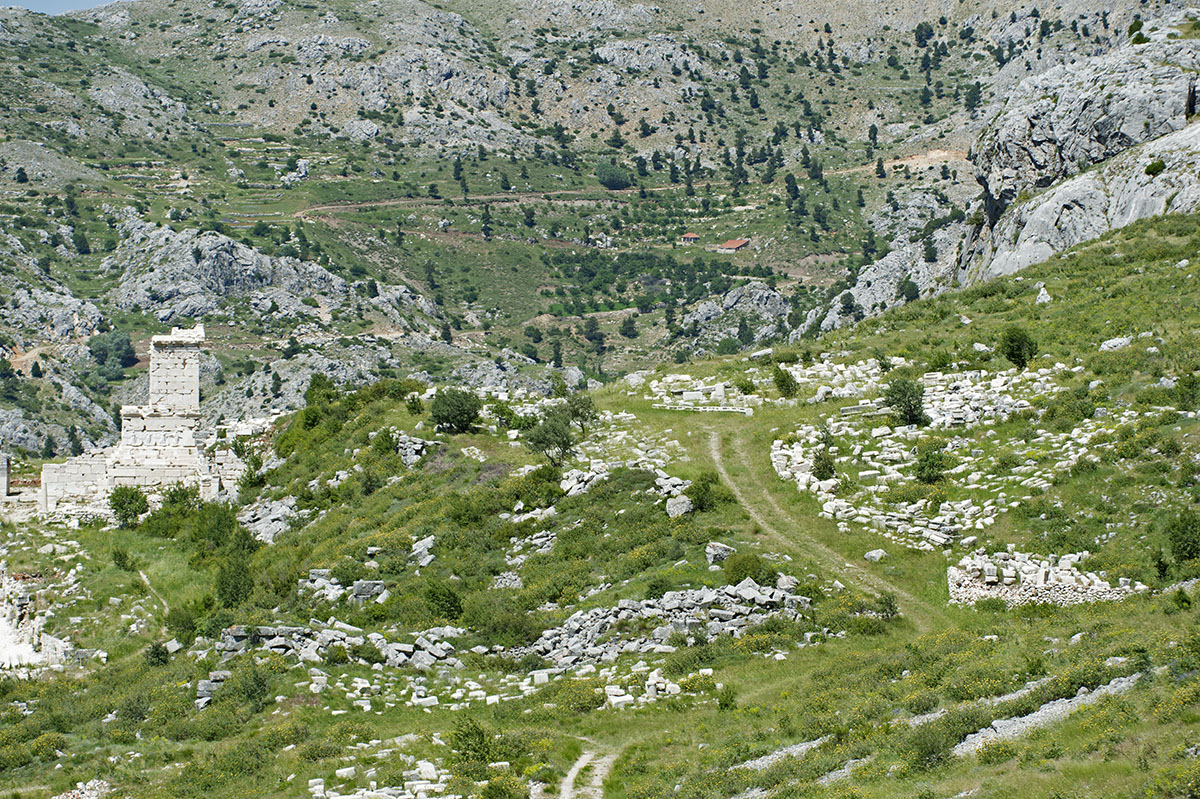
(156, 595)
(761, 506)
(594, 787)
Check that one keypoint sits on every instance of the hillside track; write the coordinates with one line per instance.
(779, 526)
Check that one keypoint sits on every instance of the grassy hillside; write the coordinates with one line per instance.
(268, 733)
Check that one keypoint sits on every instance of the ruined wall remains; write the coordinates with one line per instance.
(158, 440)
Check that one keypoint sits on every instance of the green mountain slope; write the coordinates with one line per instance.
(858, 669)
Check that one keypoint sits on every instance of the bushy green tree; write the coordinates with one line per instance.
(127, 503)
(906, 398)
(552, 438)
(932, 462)
(1183, 534)
(455, 410)
(787, 385)
(612, 176)
(582, 411)
(1017, 345)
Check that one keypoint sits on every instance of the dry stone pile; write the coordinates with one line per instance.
(1019, 578)
(428, 650)
(726, 610)
(412, 449)
(266, 519)
(681, 392)
(877, 455)
(522, 549)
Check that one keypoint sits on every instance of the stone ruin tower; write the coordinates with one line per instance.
(158, 440)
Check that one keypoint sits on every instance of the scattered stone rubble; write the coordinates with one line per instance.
(423, 780)
(92, 789)
(727, 610)
(411, 448)
(523, 548)
(310, 644)
(716, 552)
(266, 519)
(876, 455)
(681, 392)
(578, 481)
(1019, 578)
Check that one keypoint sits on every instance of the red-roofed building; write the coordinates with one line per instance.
(733, 245)
(689, 238)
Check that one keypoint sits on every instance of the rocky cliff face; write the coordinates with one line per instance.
(764, 308)
(1111, 196)
(1086, 133)
(1058, 123)
(188, 273)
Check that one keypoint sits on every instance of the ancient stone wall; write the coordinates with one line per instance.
(175, 370)
(158, 441)
(83, 478)
(1019, 578)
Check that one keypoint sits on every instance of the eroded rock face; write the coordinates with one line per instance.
(755, 302)
(1089, 205)
(1059, 122)
(188, 273)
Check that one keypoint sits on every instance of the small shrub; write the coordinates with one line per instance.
(123, 560)
(157, 655)
(921, 703)
(823, 464)
(656, 586)
(741, 565)
(47, 745)
(336, 655)
(1155, 167)
(707, 492)
(995, 752)
(367, 651)
(991, 605)
(127, 503)
(726, 698)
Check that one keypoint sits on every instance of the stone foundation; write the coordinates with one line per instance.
(1020, 579)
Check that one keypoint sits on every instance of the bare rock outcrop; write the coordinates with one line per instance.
(186, 274)
(1116, 194)
(1073, 116)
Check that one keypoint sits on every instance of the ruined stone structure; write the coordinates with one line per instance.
(4, 469)
(158, 440)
